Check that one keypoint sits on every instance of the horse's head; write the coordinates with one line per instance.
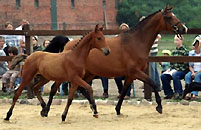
(172, 23)
(98, 40)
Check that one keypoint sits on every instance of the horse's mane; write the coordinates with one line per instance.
(83, 36)
(141, 23)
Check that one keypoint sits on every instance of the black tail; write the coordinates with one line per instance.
(57, 44)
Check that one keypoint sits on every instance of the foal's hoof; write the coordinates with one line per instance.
(159, 109)
(6, 119)
(95, 115)
(118, 113)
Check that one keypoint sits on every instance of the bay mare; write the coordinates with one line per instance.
(60, 67)
(129, 55)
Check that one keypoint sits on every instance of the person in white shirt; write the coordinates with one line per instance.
(3, 64)
(194, 67)
(21, 38)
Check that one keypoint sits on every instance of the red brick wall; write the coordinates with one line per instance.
(85, 15)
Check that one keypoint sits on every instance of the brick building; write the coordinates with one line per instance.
(60, 14)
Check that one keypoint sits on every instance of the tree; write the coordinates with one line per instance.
(187, 11)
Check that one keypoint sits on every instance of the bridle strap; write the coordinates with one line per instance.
(174, 26)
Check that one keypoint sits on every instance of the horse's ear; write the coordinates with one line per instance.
(167, 9)
(101, 28)
(96, 28)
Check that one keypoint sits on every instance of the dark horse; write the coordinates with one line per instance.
(57, 44)
(194, 86)
(60, 67)
(129, 55)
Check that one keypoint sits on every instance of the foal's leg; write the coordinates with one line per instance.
(53, 91)
(127, 84)
(87, 77)
(25, 80)
(71, 94)
(145, 78)
(39, 80)
(37, 86)
(72, 90)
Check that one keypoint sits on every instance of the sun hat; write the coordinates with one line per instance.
(167, 52)
(197, 39)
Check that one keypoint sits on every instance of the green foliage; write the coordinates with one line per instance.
(188, 11)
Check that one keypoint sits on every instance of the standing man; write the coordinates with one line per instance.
(153, 65)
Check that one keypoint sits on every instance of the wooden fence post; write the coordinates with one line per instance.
(29, 50)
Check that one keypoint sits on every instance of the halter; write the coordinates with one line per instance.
(174, 26)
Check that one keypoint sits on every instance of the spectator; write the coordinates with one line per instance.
(194, 67)
(36, 46)
(45, 43)
(165, 65)
(153, 65)
(21, 38)
(23, 22)
(10, 40)
(9, 78)
(3, 64)
(176, 72)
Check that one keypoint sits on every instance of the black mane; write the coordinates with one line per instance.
(80, 40)
(140, 23)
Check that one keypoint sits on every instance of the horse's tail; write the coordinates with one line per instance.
(57, 44)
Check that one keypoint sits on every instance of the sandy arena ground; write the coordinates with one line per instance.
(175, 117)
(134, 117)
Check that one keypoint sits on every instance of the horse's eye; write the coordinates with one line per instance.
(99, 38)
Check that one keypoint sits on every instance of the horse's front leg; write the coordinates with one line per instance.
(38, 82)
(71, 94)
(73, 88)
(87, 77)
(127, 84)
(45, 110)
(88, 91)
(145, 78)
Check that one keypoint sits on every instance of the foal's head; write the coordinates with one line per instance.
(171, 22)
(98, 40)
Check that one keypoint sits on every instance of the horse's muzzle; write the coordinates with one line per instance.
(106, 51)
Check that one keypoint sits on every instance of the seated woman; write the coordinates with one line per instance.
(8, 79)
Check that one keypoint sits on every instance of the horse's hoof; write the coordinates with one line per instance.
(118, 113)
(63, 117)
(95, 115)
(159, 109)
(6, 119)
(43, 114)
